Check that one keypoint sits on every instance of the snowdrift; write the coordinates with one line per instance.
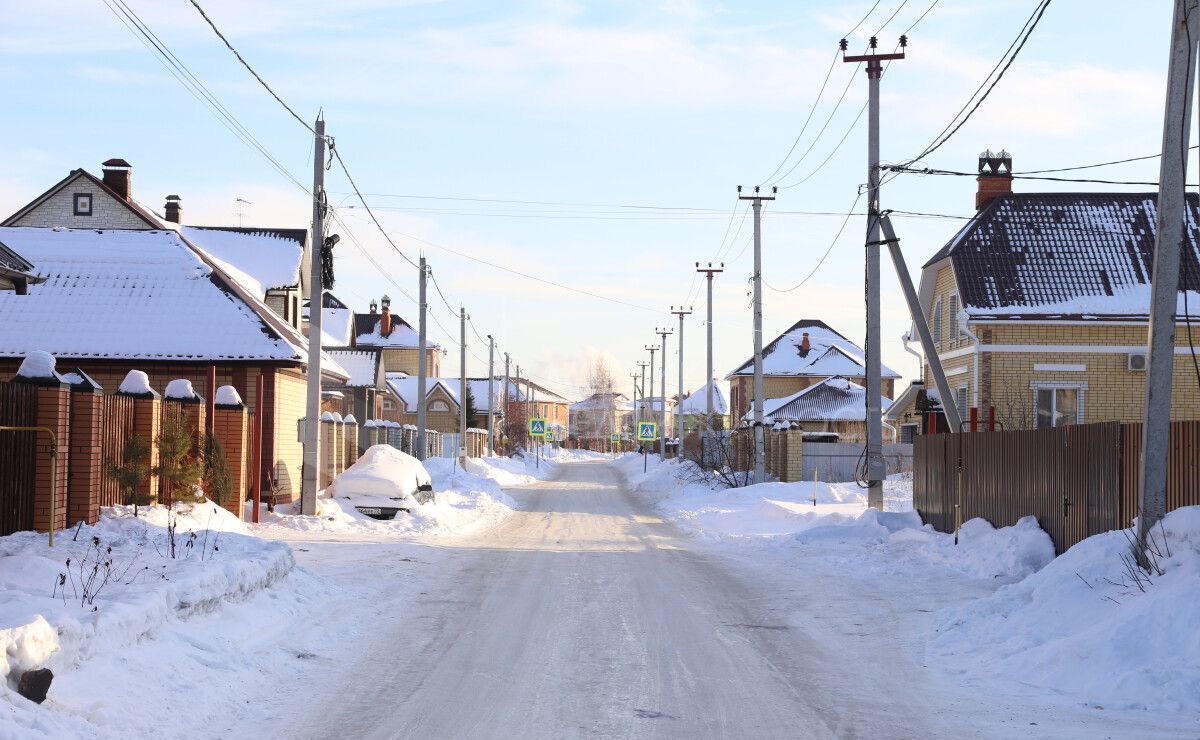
(45, 619)
(1082, 627)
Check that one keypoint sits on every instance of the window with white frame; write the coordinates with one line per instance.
(937, 321)
(1056, 406)
(439, 406)
(388, 405)
(952, 316)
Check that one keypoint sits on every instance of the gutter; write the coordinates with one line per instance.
(963, 318)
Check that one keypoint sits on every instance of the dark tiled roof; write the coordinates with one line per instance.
(364, 323)
(1052, 248)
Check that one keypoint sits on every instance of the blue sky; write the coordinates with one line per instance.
(670, 103)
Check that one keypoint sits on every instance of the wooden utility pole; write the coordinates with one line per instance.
(708, 373)
(760, 441)
(1164, 293)
(312, 412)
(876, 465)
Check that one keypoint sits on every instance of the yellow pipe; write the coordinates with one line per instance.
(53, 467)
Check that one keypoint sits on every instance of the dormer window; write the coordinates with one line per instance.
(83, 204)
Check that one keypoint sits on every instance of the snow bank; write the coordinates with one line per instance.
(45, 619)
(1080, 625)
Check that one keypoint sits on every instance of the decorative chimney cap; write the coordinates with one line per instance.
(173, 197)
(995, 164)
(374, 306)
(386, 302)
(115, 162)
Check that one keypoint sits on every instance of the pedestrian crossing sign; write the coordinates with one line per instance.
(647, 431)
(549, 435)
(615, 438)
(537, 427)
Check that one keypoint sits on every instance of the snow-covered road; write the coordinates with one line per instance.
(584, 615)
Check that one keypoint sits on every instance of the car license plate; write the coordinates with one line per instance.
(370, 510)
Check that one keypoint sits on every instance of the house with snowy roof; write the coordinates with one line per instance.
(694, 407)
(834, 405)
(396, 338)
(807, 353)
(121, 289)
(16, 273)
(600, 415)
(1039, 307)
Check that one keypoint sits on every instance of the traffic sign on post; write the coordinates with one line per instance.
(614, 438)
(537, 427)
(549, 435)
(647, 431)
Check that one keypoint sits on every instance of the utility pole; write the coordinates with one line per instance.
(422, 369)
(1164, 291)
(312, 414)
(517, 386)
(708, 376)
(679, 405)
(876, 466)
(504, 400)
(462, 387)
(642, 394)
(652, 349)
(633, 417)
(662, 408)
(760, 442)
(491, 393)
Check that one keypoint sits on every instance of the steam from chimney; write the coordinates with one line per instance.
(117, 176)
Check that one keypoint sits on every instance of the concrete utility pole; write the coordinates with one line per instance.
(1164, 293)
(679, 406)
(637, 407)
(462, 387)
(652, 349)
(504, 400)
(662, 407)
(634, 416)
(876, 466)
(708, 376)
(517, 386)
(422, 369)
(491, 449)
(760, 442)
(312, 413)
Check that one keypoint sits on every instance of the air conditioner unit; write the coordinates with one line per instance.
(1136, 361)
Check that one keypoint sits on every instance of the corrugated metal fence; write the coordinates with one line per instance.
(18, 457)
(1077, 480)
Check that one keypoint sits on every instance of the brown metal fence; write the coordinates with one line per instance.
(116, 427)
(1183, 471)
(18, 457)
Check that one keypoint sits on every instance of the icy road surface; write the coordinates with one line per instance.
(586, 616)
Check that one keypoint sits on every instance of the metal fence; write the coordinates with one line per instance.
(1078, 480)
(836, 462)
(18, 457)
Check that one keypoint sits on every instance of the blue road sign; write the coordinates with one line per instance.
(537, 427)
(647, 431)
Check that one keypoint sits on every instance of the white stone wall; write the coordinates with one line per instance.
(59, 210)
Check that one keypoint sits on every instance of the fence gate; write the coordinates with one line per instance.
(116, 426)
(18, 457)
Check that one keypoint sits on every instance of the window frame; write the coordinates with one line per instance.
(91, 201)
(936, 329)
(1080, 389)
(438, 406)
(952, 309)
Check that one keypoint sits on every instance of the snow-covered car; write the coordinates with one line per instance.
(383, 482)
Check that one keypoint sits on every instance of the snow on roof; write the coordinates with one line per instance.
(337, 327)
(603, 402)
(136, 294)
(829, 354)
(697, 401)
(362, 365)
(259, 260)
(405, 386)
(1069, 255)
(832, 399)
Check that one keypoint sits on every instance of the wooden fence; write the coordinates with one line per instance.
(18, 457)
(1078, 480)
(116, 427)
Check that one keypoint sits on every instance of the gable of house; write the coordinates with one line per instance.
(106, 209)
(828, 353)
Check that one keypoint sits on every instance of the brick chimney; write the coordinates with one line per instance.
(173, 210)
(805, 345)
(117, 173)
(995, 177)
(385, 317)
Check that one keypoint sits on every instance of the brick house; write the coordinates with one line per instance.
(600, 415)
(126, 290)
(1039, 307)
(695, 408)
(396, 338)
(807, 353)
(834, 405)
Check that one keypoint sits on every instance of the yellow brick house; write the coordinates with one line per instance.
(1039, 307)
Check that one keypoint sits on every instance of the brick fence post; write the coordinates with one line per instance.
(231, 428)
(86, 465)
(350, 440)
(147, 418)
(325, 466)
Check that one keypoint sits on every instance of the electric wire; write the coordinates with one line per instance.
(821, 261)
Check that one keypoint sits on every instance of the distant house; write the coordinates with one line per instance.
(695, 408)
(396, 338)
(649, 409)
(1039, 307)
(441, 402)
(834, 405)
(16, 274)
(594, 419)
(807, 353)
(365, 393)
(122, 288)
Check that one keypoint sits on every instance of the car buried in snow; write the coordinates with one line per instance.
(383, 483)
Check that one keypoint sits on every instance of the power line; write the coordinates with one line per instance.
(250, 69)
(832, 244)
(890, 17)
(956, 173)
(920, 17)
(337, 155)
(1098, 164)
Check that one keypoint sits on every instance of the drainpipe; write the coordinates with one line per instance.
(965, 329)
(906, 339)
